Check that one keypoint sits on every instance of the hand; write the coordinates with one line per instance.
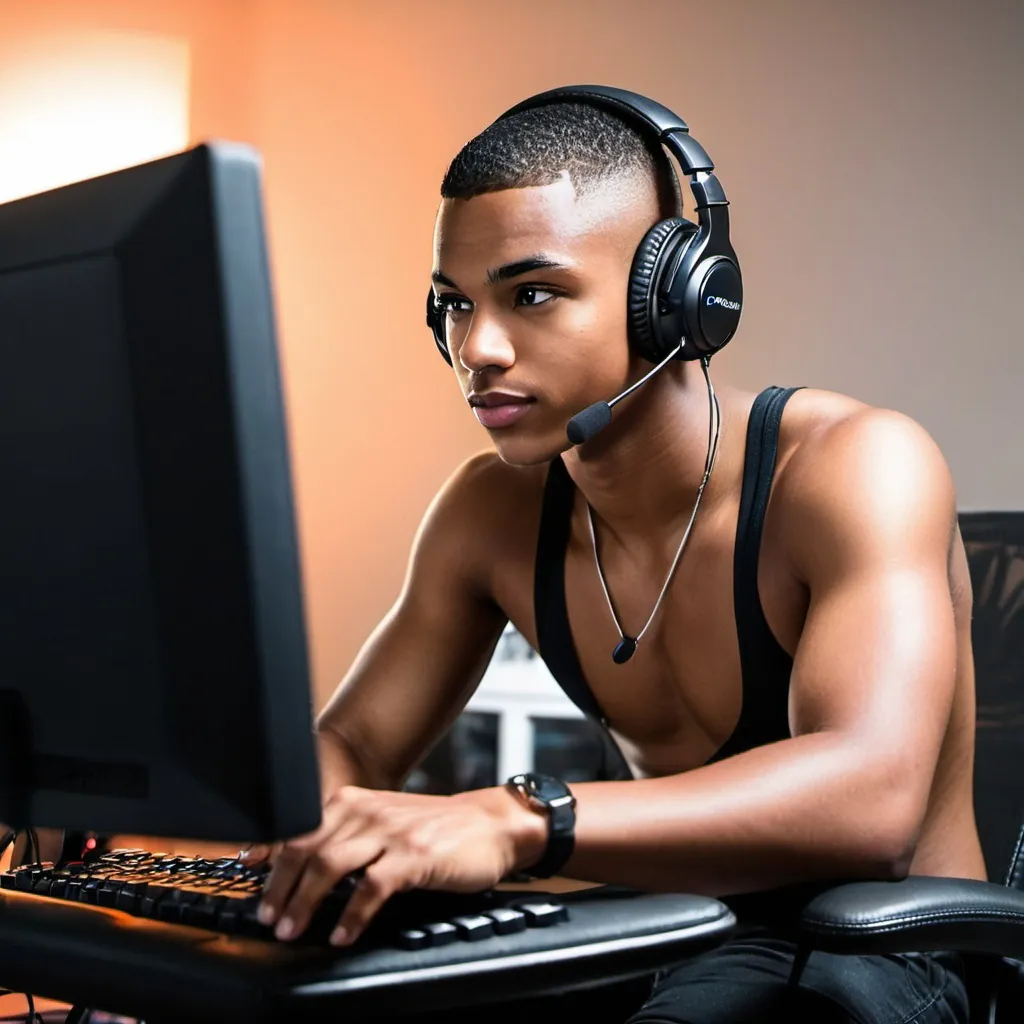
(462, 843)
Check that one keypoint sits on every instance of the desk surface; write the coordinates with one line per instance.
(110, 960)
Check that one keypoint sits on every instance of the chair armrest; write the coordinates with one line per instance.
(916, 914)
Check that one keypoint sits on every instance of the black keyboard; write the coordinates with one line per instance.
(223, 895)
(423, 955)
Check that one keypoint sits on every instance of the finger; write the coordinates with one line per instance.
(380, 881)
(257, 853)
(284, 874)
(324, 868)
(290, 861)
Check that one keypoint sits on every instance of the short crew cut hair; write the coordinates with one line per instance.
(534, 146)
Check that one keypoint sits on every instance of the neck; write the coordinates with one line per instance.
(641, 474)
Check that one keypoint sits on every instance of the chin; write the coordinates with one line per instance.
(523, 449)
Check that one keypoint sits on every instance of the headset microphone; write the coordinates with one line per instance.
(586, 425)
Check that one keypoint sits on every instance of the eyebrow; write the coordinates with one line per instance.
(506, 271)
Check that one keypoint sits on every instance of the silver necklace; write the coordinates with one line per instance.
(626, 647)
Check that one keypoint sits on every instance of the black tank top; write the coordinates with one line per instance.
(765, 665)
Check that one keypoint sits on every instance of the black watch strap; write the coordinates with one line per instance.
(553, 797)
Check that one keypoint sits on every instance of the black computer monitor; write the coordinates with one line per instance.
(153, 664)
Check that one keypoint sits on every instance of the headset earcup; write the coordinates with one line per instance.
(435, 321)
(649, 261)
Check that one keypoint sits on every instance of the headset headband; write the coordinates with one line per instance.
(655, 120)
(685, 290)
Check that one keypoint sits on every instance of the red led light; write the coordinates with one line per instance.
(90, 844)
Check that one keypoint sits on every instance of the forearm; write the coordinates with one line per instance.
(811, 807)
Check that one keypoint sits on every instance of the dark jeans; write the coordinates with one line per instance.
(744, 981)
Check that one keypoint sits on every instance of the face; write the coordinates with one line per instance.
(534, 282)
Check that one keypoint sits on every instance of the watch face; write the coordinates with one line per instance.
(547, 789)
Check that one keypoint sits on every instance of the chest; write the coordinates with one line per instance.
(678, 699)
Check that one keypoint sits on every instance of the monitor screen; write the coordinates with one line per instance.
(153, 665)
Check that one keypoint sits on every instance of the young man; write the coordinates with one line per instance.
(800, 706)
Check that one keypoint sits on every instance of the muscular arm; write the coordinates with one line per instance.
(421, 664)
(867, 512)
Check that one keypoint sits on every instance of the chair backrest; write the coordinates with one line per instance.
(995, 553)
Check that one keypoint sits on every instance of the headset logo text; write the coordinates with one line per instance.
(717, 300)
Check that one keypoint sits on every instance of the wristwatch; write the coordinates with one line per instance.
(555, 799)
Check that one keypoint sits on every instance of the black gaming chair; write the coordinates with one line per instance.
(982, 920)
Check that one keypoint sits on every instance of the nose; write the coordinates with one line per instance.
(485, 344)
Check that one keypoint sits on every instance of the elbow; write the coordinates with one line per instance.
(902, 847)
(887, 842)
(887, 793)
(893, 863)
(881, 858)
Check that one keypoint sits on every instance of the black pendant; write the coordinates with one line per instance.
(624, 650)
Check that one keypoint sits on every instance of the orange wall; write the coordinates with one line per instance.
(840, 131)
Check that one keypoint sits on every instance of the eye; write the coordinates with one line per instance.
(452, 304)
(531, 295)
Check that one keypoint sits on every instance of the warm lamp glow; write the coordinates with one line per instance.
(74, 106)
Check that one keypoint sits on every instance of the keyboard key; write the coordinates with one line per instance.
(441, 933)
(474, 927)
(87, 894)
(169, 910)
(127, 901)
(106, 895)
(507, 920)
(26, 879)
(543, 915)
(413, 938)
(147, 907)
(200, 915)
(248, 923)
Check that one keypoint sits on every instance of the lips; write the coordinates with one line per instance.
(496, 409)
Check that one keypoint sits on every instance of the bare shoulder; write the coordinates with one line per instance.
(854, 477)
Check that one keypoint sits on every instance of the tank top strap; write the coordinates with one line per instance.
(765, 665)
(554, 640)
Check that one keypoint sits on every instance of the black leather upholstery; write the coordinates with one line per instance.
(1015, 872)
(995, 552)
(918, 914)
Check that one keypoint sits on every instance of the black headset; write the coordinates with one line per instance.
(685, 287)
